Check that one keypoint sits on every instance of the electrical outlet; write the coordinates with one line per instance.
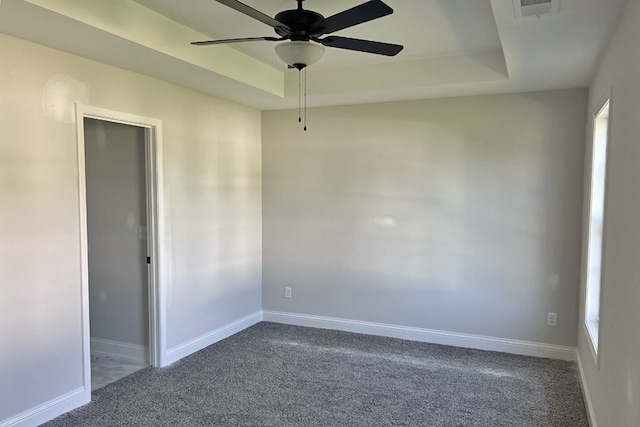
(287, 292)
(552, 319)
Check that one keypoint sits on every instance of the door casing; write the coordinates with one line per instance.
(155, 239)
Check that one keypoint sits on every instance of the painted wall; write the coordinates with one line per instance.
(116, 208)
(614, 385)
(460, 215)
(212, 177)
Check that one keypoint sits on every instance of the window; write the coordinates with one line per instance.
(596, 217)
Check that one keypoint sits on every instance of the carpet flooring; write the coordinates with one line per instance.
(279, 375)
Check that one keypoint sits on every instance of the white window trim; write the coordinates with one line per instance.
(593, 329)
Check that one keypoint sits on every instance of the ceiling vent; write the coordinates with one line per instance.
(525, 8)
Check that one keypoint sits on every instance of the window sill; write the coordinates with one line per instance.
(592, 332)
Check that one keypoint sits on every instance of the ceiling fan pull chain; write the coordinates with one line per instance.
(305, 99)
(299, 97)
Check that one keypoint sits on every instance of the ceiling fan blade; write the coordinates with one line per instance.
(368, 46)
(255, 14)
(365, 12)
(240, 40)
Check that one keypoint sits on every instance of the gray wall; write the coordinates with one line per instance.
(460, 215)
(614, 385)
(212, 212)
(116, 208)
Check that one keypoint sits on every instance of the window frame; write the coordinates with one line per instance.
(593, 328)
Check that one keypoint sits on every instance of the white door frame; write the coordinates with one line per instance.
(155, 238)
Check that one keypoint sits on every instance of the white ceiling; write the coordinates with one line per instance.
(452, 47)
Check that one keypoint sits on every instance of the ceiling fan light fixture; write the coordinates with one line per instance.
(299, 54)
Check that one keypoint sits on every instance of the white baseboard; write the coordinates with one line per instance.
(139, 353)
(425, 335)
(585, 391)
(176, 353)
(48, 410)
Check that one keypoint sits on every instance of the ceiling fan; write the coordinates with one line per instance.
(304, 30)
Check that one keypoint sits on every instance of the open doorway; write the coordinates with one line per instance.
(116, 198)
(119, 178)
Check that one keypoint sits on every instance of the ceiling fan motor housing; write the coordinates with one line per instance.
(302, 24)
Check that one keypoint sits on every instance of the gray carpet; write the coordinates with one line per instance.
(277, 375)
